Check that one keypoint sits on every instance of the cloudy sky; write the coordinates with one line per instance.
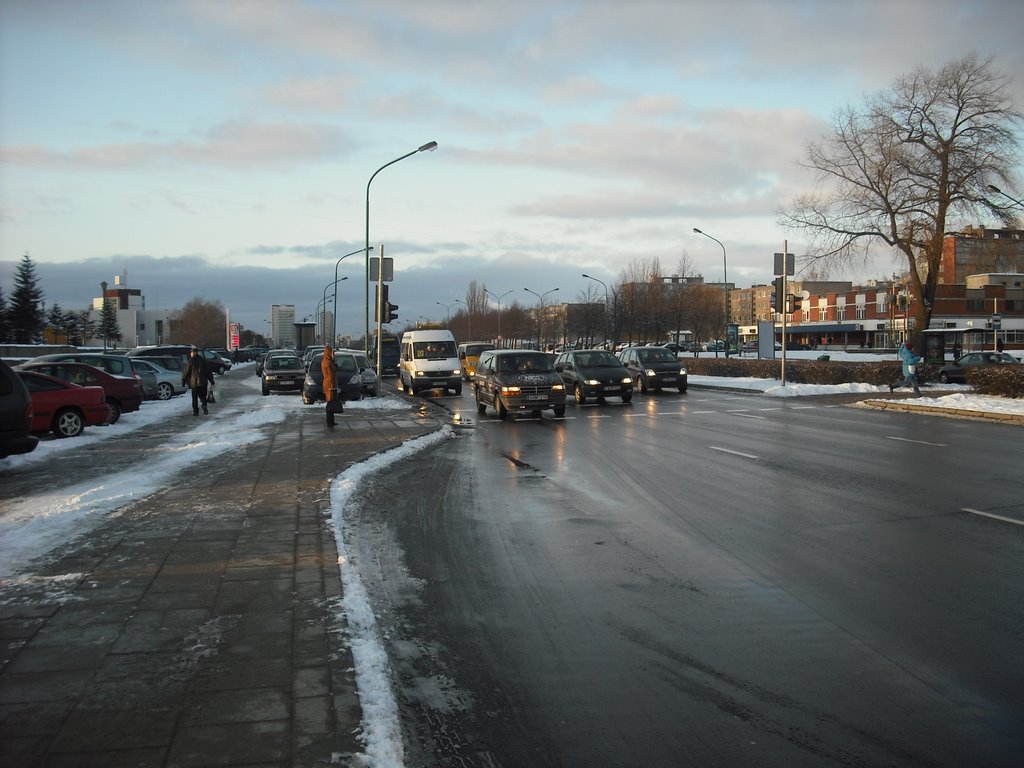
(223, 149)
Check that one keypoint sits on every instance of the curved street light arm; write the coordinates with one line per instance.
(430, 146)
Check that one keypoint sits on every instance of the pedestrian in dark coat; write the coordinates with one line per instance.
(197, 376)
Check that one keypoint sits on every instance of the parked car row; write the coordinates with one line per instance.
(65, 392)
(282, 370)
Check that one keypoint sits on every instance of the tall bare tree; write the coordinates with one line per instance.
(199, 322)
(901, 168)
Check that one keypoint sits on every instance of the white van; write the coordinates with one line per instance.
(429, 360)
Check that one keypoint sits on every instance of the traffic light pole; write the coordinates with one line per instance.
(381, 303)
(785, 295)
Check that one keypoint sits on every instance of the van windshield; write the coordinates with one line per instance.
(433, 350)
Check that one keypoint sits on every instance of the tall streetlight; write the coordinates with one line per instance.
(498, 299)
(607, 324)
(725, 284)
(430, 146)
(998, 191)
(334, 315)
(334, 322)
(447, 312)
(469, 320)
(540, 320)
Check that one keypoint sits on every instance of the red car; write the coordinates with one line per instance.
(123, 395)
(62, 407)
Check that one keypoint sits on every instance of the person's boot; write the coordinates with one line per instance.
(330, 418)
(206, 411)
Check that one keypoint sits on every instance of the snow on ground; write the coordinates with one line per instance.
(29, 528)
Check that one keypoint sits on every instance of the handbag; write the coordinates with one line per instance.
(210, 398)
(912, 368)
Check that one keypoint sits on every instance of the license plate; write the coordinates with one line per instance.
(611, 389)
(537, 397)
(668, 378)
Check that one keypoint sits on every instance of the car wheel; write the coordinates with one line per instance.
(458, 390)
(641, 384)
(266, 390)
(500, 408)
(944, 378)
(115, 411)
(306, 400)
(164, 391)
(559, 411)
(627, 396)
(481, 408)
(682, 390)
(68, 423)
(580, 397)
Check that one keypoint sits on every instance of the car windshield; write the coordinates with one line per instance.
(598, 360)
(525, 364)
(282, 363)
(656, 355)
(432, 350)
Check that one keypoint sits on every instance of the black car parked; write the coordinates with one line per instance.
(653, 368)
(594, 373)
(15, 415)
(348, 381)
(518, 380)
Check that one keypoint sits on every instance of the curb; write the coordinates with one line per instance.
(954, 413)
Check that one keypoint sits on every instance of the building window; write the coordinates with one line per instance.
(841, 312)
(823, 313)
(975, 305)
(861, 312)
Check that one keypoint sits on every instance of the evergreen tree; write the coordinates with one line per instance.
(109, 329)
(4, 327)
(56, 323)
(80, 328)
(25, 315)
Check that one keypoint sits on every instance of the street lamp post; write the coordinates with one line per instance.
(540, 319)
(607, 324)
(334, 321)
(998, 191)
(334, 314)
(469, 319)
(447, 312)
(430, 146)
(498, 299)
(725, 284)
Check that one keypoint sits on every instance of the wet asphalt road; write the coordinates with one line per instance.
(705, 579)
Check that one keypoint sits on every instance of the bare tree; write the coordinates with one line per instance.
(900, 168)
(199, 322)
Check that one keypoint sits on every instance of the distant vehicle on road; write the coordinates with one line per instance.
(283, 372)
(517, 380)
(62, 407)
(469, 355)
(348, 381)
(390, 351)
(653, 368)
(594, 373)
(957, 372)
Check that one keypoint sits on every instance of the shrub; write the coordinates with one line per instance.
(1004, 380)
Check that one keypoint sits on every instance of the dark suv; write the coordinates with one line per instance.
(517, 380)
(594, 373)
(652, 368)
(15, 415)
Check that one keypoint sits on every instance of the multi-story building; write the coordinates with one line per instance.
(977, 250)
(881, 314)
(139, 326)
(282, 325)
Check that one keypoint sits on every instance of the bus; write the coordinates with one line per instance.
(390, 347)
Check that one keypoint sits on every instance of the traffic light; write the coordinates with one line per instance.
(777, 297)
(383, 310)
(380, 305)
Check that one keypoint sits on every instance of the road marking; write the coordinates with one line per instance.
(994, 517)
(734, 453)
(919, 442)
(748, 415)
